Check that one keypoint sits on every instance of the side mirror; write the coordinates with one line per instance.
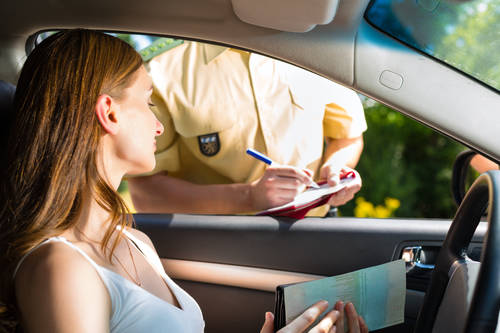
(461, 168)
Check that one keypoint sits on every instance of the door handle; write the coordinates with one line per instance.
(419, 260)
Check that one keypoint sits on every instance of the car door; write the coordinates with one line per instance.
(232, 264)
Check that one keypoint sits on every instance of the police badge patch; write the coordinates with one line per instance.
(209, 144)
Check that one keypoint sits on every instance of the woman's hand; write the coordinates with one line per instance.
(354, 321)
(333, 321)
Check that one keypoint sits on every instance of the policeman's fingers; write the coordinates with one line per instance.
(309, 316)
(282, 196)
(286, 183)
(331, 174)
(291, 172)
(309, 172)
(346, 194)
(272, 182)
(351, 189)
(269, 195)
(341, 197)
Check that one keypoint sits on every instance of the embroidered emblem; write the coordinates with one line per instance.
(209, 144)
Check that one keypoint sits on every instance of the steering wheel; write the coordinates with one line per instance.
(482, 314)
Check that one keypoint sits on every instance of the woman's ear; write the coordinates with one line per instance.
(106, 114)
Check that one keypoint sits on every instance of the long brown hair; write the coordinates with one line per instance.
(53, 145)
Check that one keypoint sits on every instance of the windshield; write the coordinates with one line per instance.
(463, 34)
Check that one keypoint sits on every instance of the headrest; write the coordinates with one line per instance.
(7, 92)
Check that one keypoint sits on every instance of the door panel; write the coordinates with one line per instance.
(278, 247)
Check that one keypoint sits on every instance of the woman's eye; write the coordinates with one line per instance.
(151, 104)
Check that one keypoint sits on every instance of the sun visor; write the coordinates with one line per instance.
(286, 15)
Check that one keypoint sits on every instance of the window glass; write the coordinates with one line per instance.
(405, 167)
(463, 34)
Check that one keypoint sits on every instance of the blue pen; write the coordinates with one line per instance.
(268, 161)
(259, 156)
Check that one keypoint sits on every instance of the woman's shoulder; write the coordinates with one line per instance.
(141, 236)
(55, 262)
(55, 274)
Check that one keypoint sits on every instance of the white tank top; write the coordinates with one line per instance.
(135, 310)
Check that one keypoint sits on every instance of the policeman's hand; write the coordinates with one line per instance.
(332, 175)
(279, 185)
(329, 323)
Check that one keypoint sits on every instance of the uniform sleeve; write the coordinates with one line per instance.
(344, 115)
(167, 145)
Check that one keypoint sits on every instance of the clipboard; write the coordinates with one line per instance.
(309, 199)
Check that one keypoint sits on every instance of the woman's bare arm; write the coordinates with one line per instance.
(58, 290)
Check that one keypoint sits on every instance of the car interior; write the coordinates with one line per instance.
(231, 264)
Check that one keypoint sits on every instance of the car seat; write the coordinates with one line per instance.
(7, 92)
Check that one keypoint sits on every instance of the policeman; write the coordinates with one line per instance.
(215, 102)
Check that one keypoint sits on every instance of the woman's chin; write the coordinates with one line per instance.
(141, 169)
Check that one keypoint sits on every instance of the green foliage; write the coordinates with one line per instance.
(406, 160)
(463, 34)
(471, 41)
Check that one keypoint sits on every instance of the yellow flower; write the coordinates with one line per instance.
(382, 212)
(359, 200)
(363, 208)
(367, 209)
(392, 203)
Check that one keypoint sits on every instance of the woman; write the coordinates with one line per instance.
(72, 262)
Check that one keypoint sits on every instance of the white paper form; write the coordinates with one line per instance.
(377, 292)
(311, 194)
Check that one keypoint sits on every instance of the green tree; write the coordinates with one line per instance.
(473, 41)
(406, 160)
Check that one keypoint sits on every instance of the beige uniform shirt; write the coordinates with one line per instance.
(216, 102)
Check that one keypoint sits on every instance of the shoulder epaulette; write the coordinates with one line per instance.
(158, 47)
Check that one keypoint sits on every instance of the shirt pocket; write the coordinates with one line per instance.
(204, 119)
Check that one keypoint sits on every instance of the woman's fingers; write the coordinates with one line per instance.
(339, 306)
(352, 318)
(327, 324)
(333, 321)
(268, 326)
(302, 322)
(362, 325)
